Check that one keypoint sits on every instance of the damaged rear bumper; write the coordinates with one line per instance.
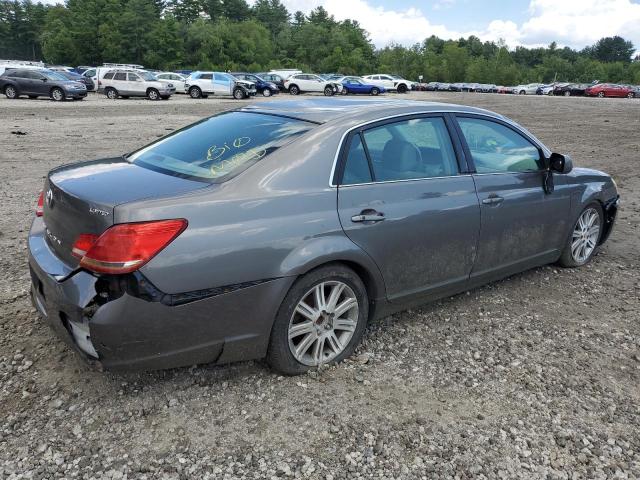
(123, 322)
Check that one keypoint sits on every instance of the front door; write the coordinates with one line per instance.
(222, 84)
(522, 225)
(403, 200)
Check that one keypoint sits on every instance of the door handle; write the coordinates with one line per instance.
(368, 216)
(493, 200)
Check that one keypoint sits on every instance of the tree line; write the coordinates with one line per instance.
(232, 35)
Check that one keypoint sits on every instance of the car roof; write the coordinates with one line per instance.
(323, 110)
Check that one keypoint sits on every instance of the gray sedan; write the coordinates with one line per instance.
(279, 230)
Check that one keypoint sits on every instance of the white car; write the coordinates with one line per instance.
(203, 84)
(96, 73)
(529, 89)
(308, 82)
(129, 83)
(175, 79)
(285, 72)
(390, 82)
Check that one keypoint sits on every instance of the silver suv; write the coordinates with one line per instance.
(134, 83)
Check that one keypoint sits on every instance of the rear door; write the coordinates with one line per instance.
(405, 200)
(522, 226)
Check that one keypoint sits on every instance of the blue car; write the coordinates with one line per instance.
(359, 86)
(262, 86)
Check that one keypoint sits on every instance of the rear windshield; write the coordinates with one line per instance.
(219, 147)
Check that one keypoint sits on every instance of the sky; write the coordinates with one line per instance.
(573, 23)
(531, 23)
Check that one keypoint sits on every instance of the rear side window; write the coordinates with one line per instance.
(411, 149)
(219, 147)
(120, 76)
(496, 148)
(356, 169)
(108, 75)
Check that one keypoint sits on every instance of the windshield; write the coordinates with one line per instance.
(220, 146)
(53, 75)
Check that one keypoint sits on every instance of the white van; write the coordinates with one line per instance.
(22, 64)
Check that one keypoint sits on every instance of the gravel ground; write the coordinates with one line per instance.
(536, 376)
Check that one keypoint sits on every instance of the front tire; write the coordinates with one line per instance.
(238, 94)
(195, 92)
(567, 93)
(328, 91)
(266, 92)
(153, 94)
(631, 95)
(321, 320)
(584, 238)
(57, 95)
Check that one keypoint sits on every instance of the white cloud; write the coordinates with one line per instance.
(575, 23)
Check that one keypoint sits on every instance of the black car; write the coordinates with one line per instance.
(273, 78)
(570, 89)
(40, 83)
(264, 87)
(87, 81)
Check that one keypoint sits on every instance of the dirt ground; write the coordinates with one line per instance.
(536, 376)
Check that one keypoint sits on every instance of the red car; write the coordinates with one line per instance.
(609, 90)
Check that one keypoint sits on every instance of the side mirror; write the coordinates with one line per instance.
(44, 79)
(560, 163)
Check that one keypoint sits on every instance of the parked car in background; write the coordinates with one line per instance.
(310, 83)
(274, 78)
(96, 73)
(126, 83)
(545, 90)
(15, 82)
(76, 77)
(442, 87)
(390, 82)
(610, 90)
(175, 79)
(203, 84)
(455, 87)
(357, 85)
(6, 64)
(184, 73)
(281, 230)
(285, 72)
(570, 89)
(263, 87)
(504, 90)
(528, 89)
(81, 69)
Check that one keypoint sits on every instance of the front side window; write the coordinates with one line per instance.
(206, 76)
(411, 149)
(496, 148)
(133, 77)
(53, 76)
(219, 147)
(221, 77)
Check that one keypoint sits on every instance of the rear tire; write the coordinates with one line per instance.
(195, 92)
(569, 259)
(402, 88)
(111, 93)
(280, 355)
(631, 95)
(522, 92)
(600, 94)
(11, 92)
(57, 95)
(567, 93)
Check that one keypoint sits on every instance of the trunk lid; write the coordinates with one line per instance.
(80, 198)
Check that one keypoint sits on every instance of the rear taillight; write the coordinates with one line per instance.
(126, 247)
(40, 205)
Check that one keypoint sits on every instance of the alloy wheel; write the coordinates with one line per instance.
(266, 92)
(57, 95)
(586, 234)
(10, 92)
(323, 323)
